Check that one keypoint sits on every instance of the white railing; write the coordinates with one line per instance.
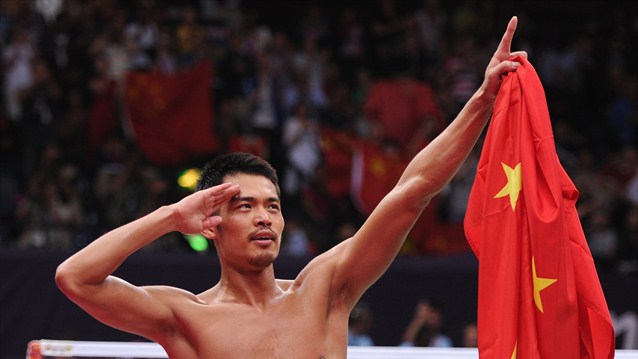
(65, 348)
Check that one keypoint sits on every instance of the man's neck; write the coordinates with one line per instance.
(256, 288)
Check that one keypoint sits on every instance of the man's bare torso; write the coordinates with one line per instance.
(298, 323)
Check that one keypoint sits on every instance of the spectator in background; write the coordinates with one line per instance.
(406, 111)
(602, 237)
(463, 71)
(387, 26)
(431, 20)
(265, 110)
(628, 241)
(111, 45)
(295, 241)
(323, 212)
(626, 329)
(622, 111)
(424, 330)
(342, 113)
(31, 210)
(10, 182)
(71, 131)
(103, 114)
(351, 44)
(165, 58)
(41, 111)
(314, 24)
(454, 197)
(113, 182)
(470, 336)
(144, 31)
(359, 324)
(190, 37)
(414, 58)
(139, 60)
(301, 140)
(631, 189)
(17, 58)
(53, 209)
(309, 64)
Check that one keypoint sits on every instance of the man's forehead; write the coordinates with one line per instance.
(252, 185)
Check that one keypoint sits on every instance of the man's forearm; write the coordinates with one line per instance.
(98, 260)
(440, 160)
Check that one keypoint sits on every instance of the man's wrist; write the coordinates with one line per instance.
(482, 102)
(167, 218)
(483, 98)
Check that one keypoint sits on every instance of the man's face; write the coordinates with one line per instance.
(252, 223)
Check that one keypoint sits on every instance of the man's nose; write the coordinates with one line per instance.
(262, 218)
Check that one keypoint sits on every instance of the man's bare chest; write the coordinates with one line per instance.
(283, 330)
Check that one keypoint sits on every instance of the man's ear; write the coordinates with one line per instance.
(209, 233)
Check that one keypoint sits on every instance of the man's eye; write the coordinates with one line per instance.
(244, 205)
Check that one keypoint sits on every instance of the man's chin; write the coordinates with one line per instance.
(263, 259)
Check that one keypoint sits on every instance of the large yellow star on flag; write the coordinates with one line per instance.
(514, 352)
(514, 184)
(539, 284)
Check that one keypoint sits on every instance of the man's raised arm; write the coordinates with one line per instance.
(86, 277)
(361, 260)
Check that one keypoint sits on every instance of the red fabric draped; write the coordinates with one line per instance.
(539, 293)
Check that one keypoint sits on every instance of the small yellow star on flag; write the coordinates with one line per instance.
(539, 284)
(514, 184)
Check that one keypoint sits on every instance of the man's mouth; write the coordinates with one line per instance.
(263, 238)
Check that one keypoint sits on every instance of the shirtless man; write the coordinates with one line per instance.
(249, 313)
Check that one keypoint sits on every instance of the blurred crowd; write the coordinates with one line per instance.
(290, 78)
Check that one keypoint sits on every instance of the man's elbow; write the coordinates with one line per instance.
(65, 280)
(417, 193)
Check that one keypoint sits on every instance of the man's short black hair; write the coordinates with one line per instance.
(229, 164)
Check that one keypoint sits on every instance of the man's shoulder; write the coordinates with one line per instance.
(317, 273)
(171, 293)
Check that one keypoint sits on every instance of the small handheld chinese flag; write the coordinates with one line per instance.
(539, 293)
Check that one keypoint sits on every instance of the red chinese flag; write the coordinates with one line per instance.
(172, 115)
(337, 148)
(539, 294)
(374, 173)
(103, 117)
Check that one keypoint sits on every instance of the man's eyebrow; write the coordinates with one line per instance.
(252, 199)
(242, 199)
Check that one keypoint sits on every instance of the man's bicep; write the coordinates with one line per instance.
(144, 311)
(367, 255)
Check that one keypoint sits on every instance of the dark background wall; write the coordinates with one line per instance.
(31, 306)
